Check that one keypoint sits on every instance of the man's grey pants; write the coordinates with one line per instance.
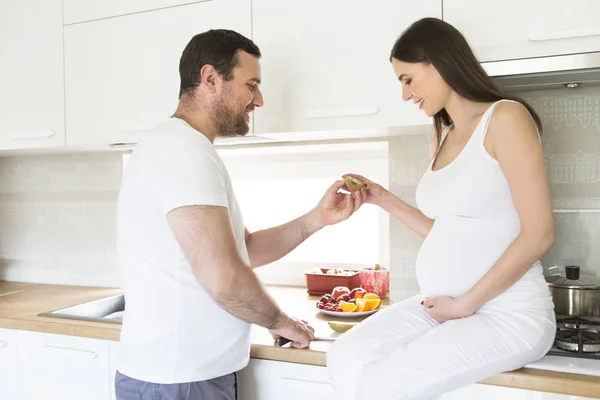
(222, 388)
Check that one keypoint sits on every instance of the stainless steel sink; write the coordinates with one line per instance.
(108, 310)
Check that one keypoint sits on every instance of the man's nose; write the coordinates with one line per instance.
(258, 98)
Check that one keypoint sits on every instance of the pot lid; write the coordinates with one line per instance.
(573, 280)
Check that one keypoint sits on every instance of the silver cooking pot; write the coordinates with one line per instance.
(574, 296)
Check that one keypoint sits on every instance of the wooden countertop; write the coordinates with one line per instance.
(20, 303)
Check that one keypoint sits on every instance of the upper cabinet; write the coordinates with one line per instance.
(325, 64)
(122, 73)
(105, 71)
(76, 11)
(31, 82)
(513, 29)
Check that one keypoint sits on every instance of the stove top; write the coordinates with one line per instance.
(577, 337)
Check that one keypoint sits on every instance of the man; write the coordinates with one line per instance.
(191, 294)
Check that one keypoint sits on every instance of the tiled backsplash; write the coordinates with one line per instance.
(57, 218)
(571, 142)
(572, 147)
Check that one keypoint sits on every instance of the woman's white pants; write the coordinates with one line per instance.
(401, 353)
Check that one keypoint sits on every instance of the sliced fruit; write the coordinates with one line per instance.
(370, 296)
(352, 183)
(360, 305)
(347, 307)
(341, 327)
(372, 304)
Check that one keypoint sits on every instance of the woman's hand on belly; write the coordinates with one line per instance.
(443, 309)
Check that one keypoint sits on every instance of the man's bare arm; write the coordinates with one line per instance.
(206, 237)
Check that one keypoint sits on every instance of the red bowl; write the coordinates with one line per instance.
(320, 284)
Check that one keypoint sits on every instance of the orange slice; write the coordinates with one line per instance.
(360, 305)
(347, 307)
(373, 304)
(370, 296)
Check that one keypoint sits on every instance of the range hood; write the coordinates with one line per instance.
(571, 70)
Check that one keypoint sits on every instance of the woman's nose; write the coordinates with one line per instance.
(406, 94)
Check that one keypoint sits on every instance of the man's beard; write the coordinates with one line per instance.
(227, 122)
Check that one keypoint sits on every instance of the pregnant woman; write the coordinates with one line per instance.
(484, 210)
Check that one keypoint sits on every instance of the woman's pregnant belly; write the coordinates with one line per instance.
(458, 251)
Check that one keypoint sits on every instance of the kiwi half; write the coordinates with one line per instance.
(352, 183)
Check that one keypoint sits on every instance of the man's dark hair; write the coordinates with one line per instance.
(216, 47)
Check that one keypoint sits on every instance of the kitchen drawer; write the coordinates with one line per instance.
(9, 375)
(58, 367)
(114, 359)
(276, 380)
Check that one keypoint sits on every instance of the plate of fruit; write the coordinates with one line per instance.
(343, 302)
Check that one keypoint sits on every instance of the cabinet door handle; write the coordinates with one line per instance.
(34, 134)
(341, 112)
(76, 353)
(570, 34)
(123, 146)
(302, 385)
(3, 344)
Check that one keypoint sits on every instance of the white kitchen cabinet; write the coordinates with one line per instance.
(9, 375)
(76, 11)
(114, 357)
(325, 64)
(122, 74)
(514, 29)
(31, 82)
(276, 380)
(58, 367)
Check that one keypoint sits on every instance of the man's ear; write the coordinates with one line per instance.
(209, 77)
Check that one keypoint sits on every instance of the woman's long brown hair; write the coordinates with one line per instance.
(433, 41)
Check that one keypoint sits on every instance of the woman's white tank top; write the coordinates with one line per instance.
(475, 222)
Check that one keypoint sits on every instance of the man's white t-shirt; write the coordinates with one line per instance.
(173, 332)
